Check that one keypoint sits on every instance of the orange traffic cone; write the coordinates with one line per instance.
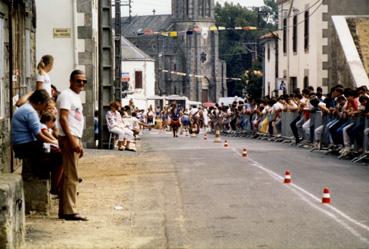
(225, 144)
(326, 196)
(206, 136)
(244, 152)
(287, 177)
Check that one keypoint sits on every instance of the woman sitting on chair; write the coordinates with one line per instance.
(116, 126)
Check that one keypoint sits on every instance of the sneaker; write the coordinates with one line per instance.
(131, 149)
(346, 151)
(73, 217)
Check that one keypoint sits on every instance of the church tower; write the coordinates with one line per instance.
(193, 10)
(197, 54)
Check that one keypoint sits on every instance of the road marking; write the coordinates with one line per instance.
(302, 193)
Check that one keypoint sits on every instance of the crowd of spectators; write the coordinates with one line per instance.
(334, 121)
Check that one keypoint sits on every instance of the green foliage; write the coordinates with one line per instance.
(254, 82)
(270, 14)
(238, 47)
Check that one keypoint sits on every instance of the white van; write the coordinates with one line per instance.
(229, 100)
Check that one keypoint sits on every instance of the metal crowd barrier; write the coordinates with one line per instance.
(315, 121)
(286, 119)
(366, 138)
(365, 153)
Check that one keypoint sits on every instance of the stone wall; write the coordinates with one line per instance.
(23, 20)
(355, 7)
(12, 217)
(88, 58)
(340, 72)
(362, 31)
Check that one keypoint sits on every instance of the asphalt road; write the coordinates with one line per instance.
(219, 199)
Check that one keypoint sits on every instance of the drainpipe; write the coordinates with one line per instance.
(75, 34)
(288, 43)
(10, 24)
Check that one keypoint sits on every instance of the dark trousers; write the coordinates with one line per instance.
(31, 154)
(334, 132)
(357, 131)
(294, 128)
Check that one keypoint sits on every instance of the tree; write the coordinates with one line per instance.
(240, 48)
(269, 13)
(254, 81)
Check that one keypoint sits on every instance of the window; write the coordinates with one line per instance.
(294, 34)
(209, 8)
(306, 82)
(187, 8)
(138, 79)
(202, 8)
(276, 58)
(293, 84)
(2, 88)
(205, 95)
(268, 52)
(285, 35)
(306, 31)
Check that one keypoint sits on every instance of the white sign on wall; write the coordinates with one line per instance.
(62, 33)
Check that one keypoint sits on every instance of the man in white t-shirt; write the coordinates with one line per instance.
(70, 124)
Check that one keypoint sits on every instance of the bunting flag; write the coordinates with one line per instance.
(213, 28)
(249, 28)
(196, 29)
(193, 75)
(173, 34)
(204, 33)
(148, 31)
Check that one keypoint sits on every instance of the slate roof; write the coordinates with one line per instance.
(131, 53)
(137, 24)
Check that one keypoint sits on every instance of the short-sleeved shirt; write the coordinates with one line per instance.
(25, 125)
(46, 82)
(71, 101)
(113, 119)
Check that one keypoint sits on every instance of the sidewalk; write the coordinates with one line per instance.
(126, 197)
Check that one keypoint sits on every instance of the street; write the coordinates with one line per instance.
(193, 193)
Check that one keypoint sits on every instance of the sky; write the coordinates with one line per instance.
(145, 7)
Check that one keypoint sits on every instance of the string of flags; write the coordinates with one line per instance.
(193, 75)
(195, 29)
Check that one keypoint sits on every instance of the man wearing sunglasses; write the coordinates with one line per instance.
(71, 123)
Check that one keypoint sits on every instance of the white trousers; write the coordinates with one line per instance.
(346, 137)
(123, 133)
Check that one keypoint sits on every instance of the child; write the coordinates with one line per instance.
(47, 125)
(53, 156)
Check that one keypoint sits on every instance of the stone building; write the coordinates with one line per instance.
(17, 63)
(138, 72)
(356, 19)
(69, 32)
(320, 43)
(192, 51)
